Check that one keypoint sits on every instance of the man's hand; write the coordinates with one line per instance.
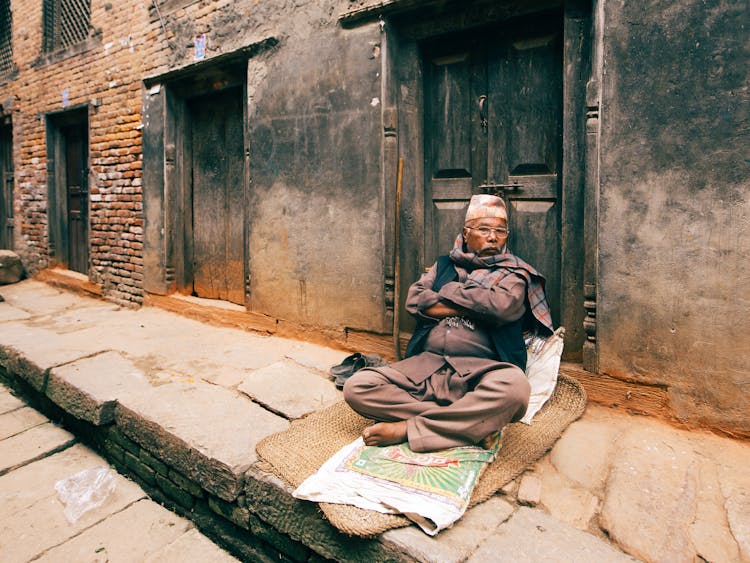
(441, 309)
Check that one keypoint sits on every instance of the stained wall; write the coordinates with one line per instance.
(674, 215)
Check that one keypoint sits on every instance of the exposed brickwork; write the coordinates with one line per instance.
(103, 75)
(104, 78)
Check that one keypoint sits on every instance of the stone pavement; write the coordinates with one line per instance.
(34, 455)
(179, 405)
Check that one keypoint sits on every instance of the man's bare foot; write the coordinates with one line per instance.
(385, 433)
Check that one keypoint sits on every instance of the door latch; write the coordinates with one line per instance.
(483, 112)
(493, 188)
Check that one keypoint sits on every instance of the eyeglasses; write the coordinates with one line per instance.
(485, 231)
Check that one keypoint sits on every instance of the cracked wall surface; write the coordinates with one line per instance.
(674, 214)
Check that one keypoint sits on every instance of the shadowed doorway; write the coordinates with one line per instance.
(217, 181)
(68, 156)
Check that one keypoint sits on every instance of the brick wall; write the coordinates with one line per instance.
(106, 78)
(129, 42)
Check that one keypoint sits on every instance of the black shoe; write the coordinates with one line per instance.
(352, 364)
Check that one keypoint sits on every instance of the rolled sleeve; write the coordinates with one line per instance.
(501, 303)
(421, 296)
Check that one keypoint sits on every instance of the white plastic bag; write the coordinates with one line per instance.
(542, 366)
(85, 490)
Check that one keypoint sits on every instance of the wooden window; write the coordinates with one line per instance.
(6, 45)
(66, 22)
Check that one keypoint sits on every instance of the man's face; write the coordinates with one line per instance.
(486, 237)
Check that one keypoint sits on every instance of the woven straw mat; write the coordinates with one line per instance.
(299, 451)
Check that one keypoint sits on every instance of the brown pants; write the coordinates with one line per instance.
(447, 409)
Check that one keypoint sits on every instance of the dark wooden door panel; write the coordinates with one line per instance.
(217, 186)
(455, 143)
(209, 213)
(6, 187)
(525, 105)
(234, 150)
(493, 115)
(75, 139)
(525, 130)
(535, 237)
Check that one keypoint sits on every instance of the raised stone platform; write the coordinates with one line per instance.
(179, 406)
(34, 525)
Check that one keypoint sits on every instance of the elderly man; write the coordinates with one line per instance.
(463, 376)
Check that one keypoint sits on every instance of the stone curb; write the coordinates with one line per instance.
(249, 512)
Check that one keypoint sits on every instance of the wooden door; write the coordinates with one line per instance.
(455, 142)
(493, 124)
(218, 196)
(6, 187)
(75, 142)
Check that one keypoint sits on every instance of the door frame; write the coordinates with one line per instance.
(404, 95)
(168, 204)
(186, 156)
(57, 196)
(6, 183)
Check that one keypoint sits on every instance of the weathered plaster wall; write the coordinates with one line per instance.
(674, 220)
(315, 218)
(316, 225)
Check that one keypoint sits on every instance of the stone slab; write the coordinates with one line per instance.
(738, 517)
(532, 535)
(270, 498)
(582, 452)
(31, 515)
(130, 535)
(17, 421)
(89, 388)
(190, 546)
(10, 313)
(30, 351)
(236, 349)
(454, 544)
(711, 532)
(731, 460)
(93, 314)
(530, 489)
(25, 486)
(38, 298)
(32, 444)
(206, 432)
(8, 401)
(290, 389)
(564, 498)
(314, 356)
(168, 347)
(658, 482)
(217, 355)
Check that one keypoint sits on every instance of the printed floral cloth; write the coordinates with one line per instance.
(432, 489)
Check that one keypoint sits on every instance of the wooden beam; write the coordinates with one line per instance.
(638, 398)
(605, 390)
